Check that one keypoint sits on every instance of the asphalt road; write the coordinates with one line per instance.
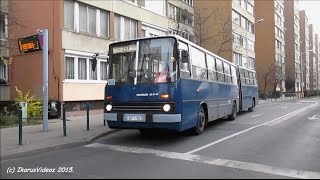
(278, 140)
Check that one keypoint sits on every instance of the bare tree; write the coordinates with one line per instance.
(213, 29)
(274, 76)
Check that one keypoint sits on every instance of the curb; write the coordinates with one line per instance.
(57, 147)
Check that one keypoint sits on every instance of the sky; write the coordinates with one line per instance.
(312, 8)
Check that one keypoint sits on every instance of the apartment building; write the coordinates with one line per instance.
(77, 30)
(304, 49)
(317, 54)
(292, 47)
(270, 43)
(4, 51)
(227, 28)
(312, 58)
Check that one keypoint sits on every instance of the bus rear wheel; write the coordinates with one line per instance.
(233, 115)
(250, 109)
(201, 123)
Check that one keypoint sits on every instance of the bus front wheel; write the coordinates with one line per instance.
(201, 122)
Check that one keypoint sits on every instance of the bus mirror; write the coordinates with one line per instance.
(184, 56)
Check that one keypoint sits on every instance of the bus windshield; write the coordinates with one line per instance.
(143, 61)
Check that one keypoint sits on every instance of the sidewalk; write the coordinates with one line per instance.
(281, 99)
(35, 140)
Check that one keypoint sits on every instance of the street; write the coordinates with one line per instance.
(276, 140)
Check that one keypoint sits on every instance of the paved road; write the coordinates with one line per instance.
(278, 140)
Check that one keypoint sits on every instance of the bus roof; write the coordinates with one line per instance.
(186, 41)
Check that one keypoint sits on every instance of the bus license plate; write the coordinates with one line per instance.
(134, 117)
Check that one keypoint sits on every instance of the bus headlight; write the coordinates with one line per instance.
(166, 107)
(109, 107)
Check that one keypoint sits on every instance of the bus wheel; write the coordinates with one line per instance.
(233, 115)
(252, 107)
(201, 123)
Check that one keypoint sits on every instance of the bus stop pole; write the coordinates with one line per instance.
(87, 115)
(20, 125)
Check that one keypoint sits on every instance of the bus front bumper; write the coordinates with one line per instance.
(121, 121)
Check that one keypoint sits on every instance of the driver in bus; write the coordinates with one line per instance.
(163, 75)
(164, 72)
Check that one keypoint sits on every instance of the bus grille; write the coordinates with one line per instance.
(138, 107)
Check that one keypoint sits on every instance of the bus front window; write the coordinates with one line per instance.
(155, 62)
(123, 63)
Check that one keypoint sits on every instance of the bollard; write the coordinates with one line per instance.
(20, 126)
(88, 116)
(64, 120)
(104, 122)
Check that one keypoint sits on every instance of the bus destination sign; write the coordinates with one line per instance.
(29, 44)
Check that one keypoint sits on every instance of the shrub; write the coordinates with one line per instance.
(34, 104)
(7, 118)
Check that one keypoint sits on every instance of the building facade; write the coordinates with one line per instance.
(77, 30)
(270, 61)
(292, 47)
(227, 29)
(304, 49)
(312, 58)
(4, 52)
(316, 66)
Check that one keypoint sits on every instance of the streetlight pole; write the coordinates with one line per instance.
(254, 27)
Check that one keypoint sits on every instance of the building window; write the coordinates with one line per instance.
(82, 68)
(87, 19)
(91, 20)
(103, 70)
(250, 45)
(237, 39)
(69, 68)
(104, 24)
(3, 72)
(3, 25)
(69, 14)
(235, 17)
(237, 59)
(250, 8)
(92, 74)
(173, 12)
(125, 28)
(83, 16)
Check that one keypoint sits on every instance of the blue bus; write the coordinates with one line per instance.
(168, 82)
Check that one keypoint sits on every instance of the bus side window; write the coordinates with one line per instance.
(227, 73)
(212, 76)
(251, 78)
(254, 79)
(220, 70)
(234, 75)
(199, 69)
